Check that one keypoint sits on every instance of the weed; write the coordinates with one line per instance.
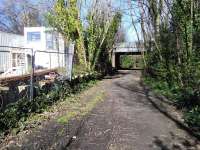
(79, 110)
(16, 114)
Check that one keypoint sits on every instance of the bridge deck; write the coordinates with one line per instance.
(127, 48)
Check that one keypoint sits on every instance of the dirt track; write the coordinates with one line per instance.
(125, 120)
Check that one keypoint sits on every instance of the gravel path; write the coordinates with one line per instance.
(127, 120)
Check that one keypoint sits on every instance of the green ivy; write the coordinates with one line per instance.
(17, 113)
(100, 38)
(66, 20)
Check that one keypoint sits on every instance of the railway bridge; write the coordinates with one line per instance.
(125, 49)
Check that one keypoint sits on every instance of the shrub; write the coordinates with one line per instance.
(18, 112)
(192, 117)
(187, 99)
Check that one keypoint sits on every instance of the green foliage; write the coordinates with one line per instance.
(177, 75)
(112, 30)
(131, 62)
(127, 61)
(104, 59)
(99, 39)
(15, 114)
(80, 110)
(77, 70)
(192, 117)
(178, 46)
(66, 21)
(161, 87)
(186, 99)
(93, 44)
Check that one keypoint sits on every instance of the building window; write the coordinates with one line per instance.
(49, 41)
(33, 36)
(18, 59)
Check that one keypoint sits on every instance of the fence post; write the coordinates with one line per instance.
(32, 74)
(70, 55)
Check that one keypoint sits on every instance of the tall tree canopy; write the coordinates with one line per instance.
(93, 39)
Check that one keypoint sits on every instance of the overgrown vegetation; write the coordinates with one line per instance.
(173, 64)
(131, 62)
(100, 36)
(126, 61)
(65, 18)
(80, 110)
(93, 41)
(185, 100)
(14, 115)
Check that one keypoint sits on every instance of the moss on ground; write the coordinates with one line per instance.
(80, 109)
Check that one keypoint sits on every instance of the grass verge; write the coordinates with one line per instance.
(16, 117)
(79, 110)
(185, 99)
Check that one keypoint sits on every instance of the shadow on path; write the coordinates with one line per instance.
(181, 143)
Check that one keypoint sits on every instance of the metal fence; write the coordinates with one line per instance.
(22, 68)
(14, 58)
(10, 39)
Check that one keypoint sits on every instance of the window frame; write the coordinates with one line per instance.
(49, 40)
(33, 36)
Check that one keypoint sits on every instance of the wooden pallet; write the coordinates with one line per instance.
(5, 81)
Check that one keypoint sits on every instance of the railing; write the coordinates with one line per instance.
(21, 69)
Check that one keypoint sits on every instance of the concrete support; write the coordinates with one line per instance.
(117, 60)
(113, 60)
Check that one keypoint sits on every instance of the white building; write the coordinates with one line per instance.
(49, 42)
(44, 42)
(9, 39)
(10, 57)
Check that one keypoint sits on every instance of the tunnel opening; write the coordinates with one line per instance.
(129, 61)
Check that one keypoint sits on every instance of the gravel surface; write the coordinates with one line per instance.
(127, 120)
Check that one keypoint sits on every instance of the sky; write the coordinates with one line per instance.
(126, 19)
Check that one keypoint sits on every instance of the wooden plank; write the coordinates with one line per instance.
(8, 80)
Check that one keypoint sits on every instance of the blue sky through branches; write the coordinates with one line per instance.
(126, 19)
(116, 5)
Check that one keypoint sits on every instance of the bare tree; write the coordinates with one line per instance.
(120, 36)
(15, 15)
